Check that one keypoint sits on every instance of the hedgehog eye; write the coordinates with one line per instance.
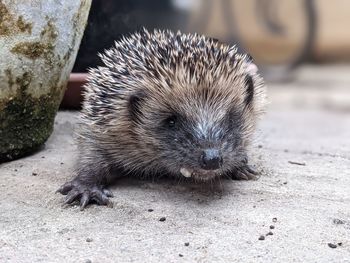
(171, 121)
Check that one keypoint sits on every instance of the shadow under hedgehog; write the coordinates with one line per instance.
(166, 103)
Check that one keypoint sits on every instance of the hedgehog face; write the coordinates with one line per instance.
(198, 133)
(200, 146)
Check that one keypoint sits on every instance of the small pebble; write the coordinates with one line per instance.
(150, 210)
(338, 221)
(62, 163)
(262, 237)
(285, 182)
(180, 255)
(274, 219)
(88, 261)
(269, 233)
(43, 157)
(187, 244)
(272, 227)
(15, 170)
(260, 146)
(297, 163)
(331, 245)
(340, 244)
(34, 174)
(162, 219)
(89, 239)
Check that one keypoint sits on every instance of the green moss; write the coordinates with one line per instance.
(10, 81)
(49, 32)
(5, 20)
(26, 122)
(23, 26)
(10, 25)
(33, 50)
(39, 49)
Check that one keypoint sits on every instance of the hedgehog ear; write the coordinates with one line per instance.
(135, 101)
(251, 69)
(249, 90)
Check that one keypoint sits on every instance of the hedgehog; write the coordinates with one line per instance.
(166, 103)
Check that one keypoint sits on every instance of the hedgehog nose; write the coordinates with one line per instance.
(210, 159)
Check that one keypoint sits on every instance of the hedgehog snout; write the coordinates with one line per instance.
(211, 159)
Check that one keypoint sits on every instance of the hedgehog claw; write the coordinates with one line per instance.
(64, 189)
(84, 194)
(245, 172)
(71, 196)
(108, 193)
(84, 201)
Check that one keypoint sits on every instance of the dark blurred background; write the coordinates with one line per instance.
(279, 34)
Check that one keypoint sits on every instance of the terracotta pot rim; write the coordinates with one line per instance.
(78, 77)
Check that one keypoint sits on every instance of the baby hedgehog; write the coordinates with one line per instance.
(166, 103)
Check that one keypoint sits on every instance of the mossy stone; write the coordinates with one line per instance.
(26, 122)
(39, 44)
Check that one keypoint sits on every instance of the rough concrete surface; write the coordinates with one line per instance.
(310, 201)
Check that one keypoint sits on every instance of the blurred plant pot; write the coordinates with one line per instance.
(39, 41)
(73, 97)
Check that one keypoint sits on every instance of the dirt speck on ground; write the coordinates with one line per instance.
(297, 163)
(338, 221)
(331, 245)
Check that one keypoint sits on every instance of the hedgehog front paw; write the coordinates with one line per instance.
(76, 190)
(245, 172)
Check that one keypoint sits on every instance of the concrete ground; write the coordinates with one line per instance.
(302, 198)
